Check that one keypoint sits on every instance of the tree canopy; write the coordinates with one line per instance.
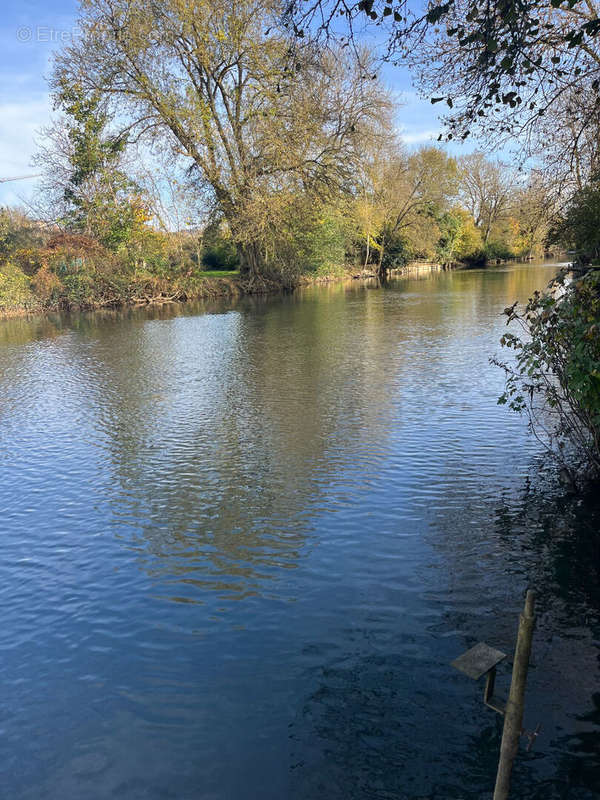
(213, 80)
(501, 68)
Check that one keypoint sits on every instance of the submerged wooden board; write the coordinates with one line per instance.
(478, 660)
(497, 704)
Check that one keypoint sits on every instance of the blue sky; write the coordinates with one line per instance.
(31, 31)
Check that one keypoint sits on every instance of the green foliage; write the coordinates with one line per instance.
(21, 240)
(147, 249)
(100, 199)
(322, 244)
(448, 245)
(92, 151)
(498, 250)
(305, 236)
(79, 289)
(397, 253)
(580, 225)
(218, 248)
(220, 255)
(555, 377)
(15, 289)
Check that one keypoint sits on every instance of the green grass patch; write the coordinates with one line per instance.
(220, 273)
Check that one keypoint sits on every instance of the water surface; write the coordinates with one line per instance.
(241, 544)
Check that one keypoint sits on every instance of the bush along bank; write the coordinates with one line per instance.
(86, 286)
(44, 272)
(72, 272)
(44, 269)
(554, 376)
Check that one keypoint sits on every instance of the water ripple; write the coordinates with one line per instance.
(240, 549)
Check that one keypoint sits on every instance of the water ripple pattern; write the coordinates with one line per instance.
(241, 544)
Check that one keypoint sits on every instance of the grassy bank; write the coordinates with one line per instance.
(85, 287)
(45, 270)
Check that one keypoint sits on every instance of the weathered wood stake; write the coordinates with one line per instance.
(513, 717)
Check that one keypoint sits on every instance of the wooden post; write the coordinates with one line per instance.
(513, 718)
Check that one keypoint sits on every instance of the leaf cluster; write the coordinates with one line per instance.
(554, 376)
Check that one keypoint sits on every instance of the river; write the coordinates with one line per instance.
(241, 545)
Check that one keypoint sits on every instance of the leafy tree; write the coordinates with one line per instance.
(460, 239)
(214, 79)
(398, 252)
(498, 250)
(469, 245)
(83, 165)
(321, 245)
(579, 227)
(449, 241)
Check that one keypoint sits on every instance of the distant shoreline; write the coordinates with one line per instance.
(177, 291)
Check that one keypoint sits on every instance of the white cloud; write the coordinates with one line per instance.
(418, 137)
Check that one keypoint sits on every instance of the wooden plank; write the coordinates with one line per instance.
(478, 660)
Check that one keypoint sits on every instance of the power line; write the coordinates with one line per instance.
(19, 178)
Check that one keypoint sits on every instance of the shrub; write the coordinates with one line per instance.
(321, 244)
(397, 254)
(27, 259)
(147, 250)
(67, 253)
(17, 232)
(79, 289)
(15, 289)
(46, 285)
(220, 253)
(555, 378)
(496, 250)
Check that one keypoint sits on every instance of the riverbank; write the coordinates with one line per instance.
(354, 273)
(47, 292)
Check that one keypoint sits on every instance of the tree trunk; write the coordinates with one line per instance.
(381, 270)
(252, 263)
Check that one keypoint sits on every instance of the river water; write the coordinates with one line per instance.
(241, 544)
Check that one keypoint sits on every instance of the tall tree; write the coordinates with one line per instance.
(415, 188)
(486, 190)
(214, 78)
(84, 180)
